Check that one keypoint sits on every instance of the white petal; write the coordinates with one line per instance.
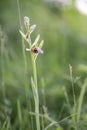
(27, 49)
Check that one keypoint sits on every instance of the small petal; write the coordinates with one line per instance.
(27, 49)
(40, 51)
(37, 50)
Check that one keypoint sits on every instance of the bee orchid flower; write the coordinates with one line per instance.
(35, 50)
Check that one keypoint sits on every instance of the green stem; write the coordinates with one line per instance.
(34, 71)
(36, 99)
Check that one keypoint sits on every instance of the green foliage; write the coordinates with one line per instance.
(64, 32)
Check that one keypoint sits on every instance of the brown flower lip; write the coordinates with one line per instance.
(37, 50)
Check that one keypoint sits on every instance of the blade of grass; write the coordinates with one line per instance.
(2, 39)
(19, 111)
(74, 99)
(80, 101)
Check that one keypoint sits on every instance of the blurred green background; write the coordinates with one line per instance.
(65, 43)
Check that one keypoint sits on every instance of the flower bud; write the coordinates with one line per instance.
(32, 28)
(26, 22)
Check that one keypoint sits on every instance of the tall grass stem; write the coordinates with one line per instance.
(82, 92)
(2, 39)
(74, 99)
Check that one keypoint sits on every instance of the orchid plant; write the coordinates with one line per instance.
(35, 48)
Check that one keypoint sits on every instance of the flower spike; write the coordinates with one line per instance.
(35, 47)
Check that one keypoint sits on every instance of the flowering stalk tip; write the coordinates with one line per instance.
(34, 47)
